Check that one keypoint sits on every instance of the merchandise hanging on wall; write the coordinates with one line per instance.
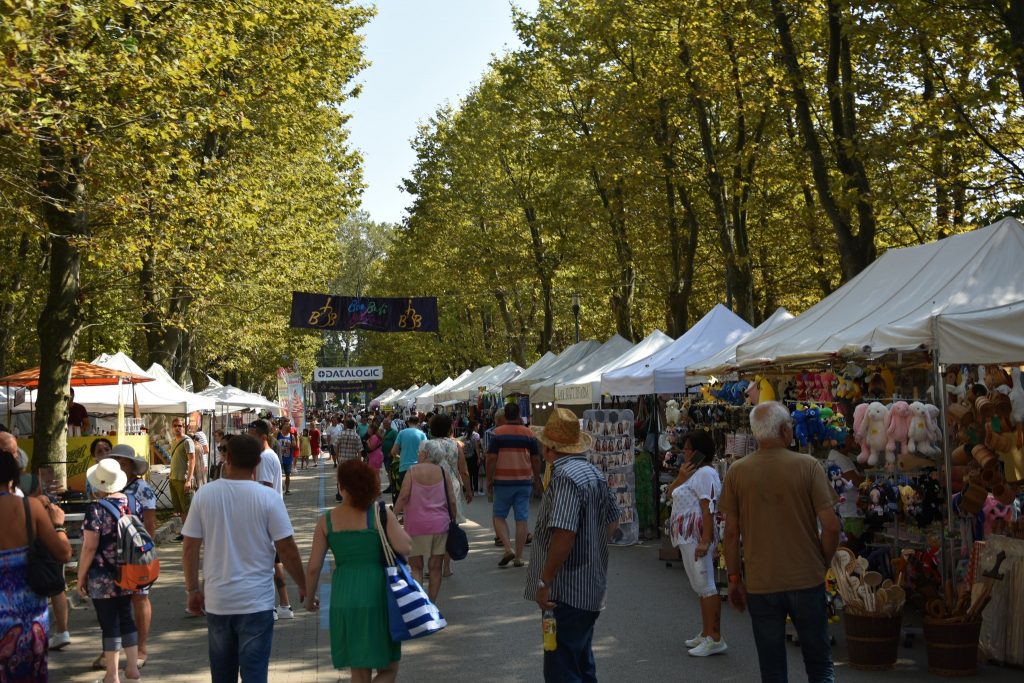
(614, 455)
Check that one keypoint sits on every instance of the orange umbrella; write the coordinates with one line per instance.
(82, 375)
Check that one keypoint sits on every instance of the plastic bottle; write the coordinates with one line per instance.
(550, 630)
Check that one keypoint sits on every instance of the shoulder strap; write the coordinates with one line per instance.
(327, 517)
(387, 551)
(369, 517)
(447, 498)
(109, 507)
(30, 537)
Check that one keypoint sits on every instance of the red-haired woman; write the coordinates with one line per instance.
(360, 638)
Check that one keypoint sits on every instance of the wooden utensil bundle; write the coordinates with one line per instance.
(865, 592)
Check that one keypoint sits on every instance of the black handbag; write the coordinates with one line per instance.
(457, 545)
(45, 574)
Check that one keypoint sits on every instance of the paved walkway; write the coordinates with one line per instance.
(494, 634)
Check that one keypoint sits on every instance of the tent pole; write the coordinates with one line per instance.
(947, 465)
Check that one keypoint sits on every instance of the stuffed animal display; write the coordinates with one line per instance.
(900, 430)
(672, 413)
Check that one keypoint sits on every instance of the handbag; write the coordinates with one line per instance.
(411, 614)
(457, 545)
(45, 574)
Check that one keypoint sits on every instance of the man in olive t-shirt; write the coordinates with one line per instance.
(776, 499)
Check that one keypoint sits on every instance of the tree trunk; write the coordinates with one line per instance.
(516, 342)
(621, 299)
(1012, 14)
(8, 319)
(62, 188)
(856, 251)
(681, 253)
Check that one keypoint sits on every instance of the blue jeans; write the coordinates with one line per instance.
(809, 613)
(240, 643)
(573, 659)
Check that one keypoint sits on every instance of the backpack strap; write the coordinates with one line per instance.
(109, 507)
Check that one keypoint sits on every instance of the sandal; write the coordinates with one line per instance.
(506, 558)
(98, 664)
(518, 563)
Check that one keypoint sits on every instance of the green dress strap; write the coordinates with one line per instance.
(327, 516)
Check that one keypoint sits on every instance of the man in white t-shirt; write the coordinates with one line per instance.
(268, 473)
(242, 525)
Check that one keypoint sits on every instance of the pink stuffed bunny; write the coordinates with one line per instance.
(858, 432)
(994, 510)
(898, 429)
(918, 434)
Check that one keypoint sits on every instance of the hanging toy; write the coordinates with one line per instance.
(800, 431)
(898, 429)
(672, 413)
(874, 428)
(815, 426)
(1017, 397)
(919, 436)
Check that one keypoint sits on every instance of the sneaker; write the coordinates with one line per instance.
(60, 640)
(275, 615)
(284, 612)
(708, 647)
(695, 641)
(179, 538)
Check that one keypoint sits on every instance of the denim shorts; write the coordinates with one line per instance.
(514, 497)
(286, 465)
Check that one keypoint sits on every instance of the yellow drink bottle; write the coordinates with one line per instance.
(550, 631)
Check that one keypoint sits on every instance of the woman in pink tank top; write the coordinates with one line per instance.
(425, 496)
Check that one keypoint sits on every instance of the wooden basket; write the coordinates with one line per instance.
(872, 643)
(952, 646)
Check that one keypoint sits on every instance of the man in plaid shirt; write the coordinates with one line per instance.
(348, 445)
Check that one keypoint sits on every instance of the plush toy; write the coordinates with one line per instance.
(826, 381)
(919, 436)
(672, 413)
(800, 431)
(1017, 397)
(932, 503)
(760, 391)
(706, 393)
(858, 431)
(898, 429)
(789, 390)
(876, 387)
(815, 425)
(875, 426)
(932, 413)
(836, 429)
(995, 513)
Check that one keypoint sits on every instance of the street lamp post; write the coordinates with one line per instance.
(576, 314)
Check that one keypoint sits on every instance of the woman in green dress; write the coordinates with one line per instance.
(360, 639)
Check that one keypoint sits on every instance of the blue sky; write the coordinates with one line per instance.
(423, 53)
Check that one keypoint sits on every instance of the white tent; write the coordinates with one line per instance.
(665, 371)
(232, 400)
(388, 393)
(153, 397)
(425, 401)
(521, 383)
(544, 391)
(399, 398)
(409, 400)
(892, 305)
(500, 375)
(991, 335)
(538, 373)
(585, 388)
(724, 361)
(459, 391)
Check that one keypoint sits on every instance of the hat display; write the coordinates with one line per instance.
(126, 452)
(562, 433)
(106, 476)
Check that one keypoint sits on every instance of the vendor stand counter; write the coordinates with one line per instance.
(79, 459)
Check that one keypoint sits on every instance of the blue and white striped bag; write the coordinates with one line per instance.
(411, 614)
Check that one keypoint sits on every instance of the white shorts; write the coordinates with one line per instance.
(700, 572)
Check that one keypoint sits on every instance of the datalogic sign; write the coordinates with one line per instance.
(366, 374)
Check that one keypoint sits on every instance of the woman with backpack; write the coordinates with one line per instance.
(98, 571)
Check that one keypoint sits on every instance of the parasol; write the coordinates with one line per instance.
(82, 375)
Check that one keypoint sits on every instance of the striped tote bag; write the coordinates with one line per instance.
(411, 614)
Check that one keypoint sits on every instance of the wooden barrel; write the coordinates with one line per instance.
(872, 643)
(952, 646)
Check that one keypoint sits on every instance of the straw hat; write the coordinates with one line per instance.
(562, 433)
(106, 476)
(126, 452)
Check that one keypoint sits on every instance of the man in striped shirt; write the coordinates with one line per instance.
(513, 473)
(569, 563)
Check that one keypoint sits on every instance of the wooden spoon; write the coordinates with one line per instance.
(873, 579)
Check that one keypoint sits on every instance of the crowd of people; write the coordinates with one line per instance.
(235, 512)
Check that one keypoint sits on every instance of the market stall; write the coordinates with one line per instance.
(936, 443)
(583, 388)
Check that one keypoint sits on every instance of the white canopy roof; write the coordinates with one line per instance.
(892, 304)
(501, 374)
(398, 398)
(232, 400)
(991, 335)
(538, 373)
(459, 391)
(725, 360)
(158, 396)
(425, 401)
(585, 388)
(388, 393)
(665, 371)
(409, 400)
(544, 391)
